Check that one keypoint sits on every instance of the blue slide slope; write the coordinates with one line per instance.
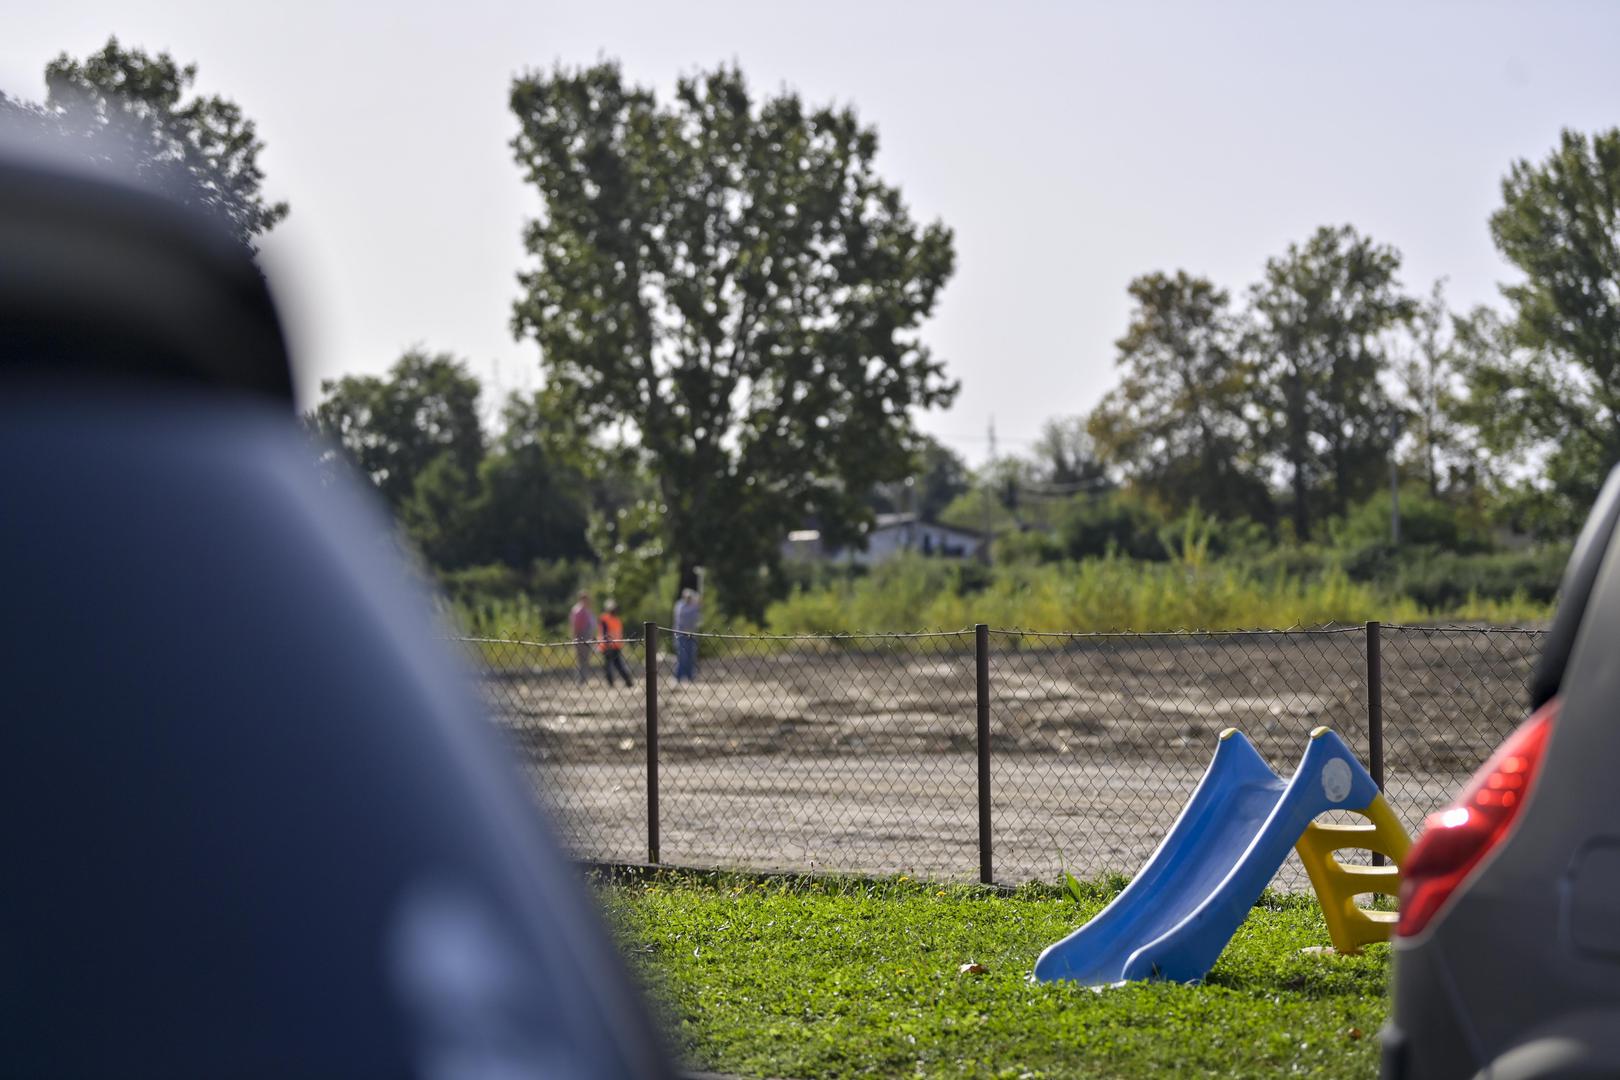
(1176, 916)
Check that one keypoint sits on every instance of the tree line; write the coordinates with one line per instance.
(727, 300)
(1292, 404)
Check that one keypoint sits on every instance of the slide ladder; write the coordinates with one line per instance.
(1338, 885)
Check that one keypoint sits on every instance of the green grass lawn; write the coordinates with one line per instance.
(826, 978)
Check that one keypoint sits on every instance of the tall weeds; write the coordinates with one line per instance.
(1113, 594)
(1191, 592)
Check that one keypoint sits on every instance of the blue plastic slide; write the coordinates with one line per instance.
(1176, 916)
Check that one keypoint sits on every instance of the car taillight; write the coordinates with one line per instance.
(1457, 838)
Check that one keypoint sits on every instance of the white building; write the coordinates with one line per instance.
(889, 535)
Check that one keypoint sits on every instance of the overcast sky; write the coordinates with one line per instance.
(1070, 148)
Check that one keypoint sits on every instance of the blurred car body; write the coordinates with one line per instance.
(1507, 954)
(252, 819)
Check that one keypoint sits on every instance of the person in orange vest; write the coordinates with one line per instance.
(612, 642)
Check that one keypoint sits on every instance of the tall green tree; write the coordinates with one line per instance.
(1491, 368)
(415, 433)
(730, 282)
(1318, 337)
(1175, 424)
(129, 111)
(1067, 458)
(995, 503)
(395, 426)
(1426, 373)
(440, 516)
(531, 503)
(1429, 370)
(938, 475)
(1035, 489)
(1552, 392)
(941, 476)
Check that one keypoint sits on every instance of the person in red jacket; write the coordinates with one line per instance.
(612, 642)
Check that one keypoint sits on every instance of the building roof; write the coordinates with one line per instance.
(894, 521)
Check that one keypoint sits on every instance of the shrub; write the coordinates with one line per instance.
(1026, 547)
(1440, 580)
(1425, 522)
(1093, 526)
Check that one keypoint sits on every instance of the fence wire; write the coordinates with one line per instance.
(1451, 696)
(859, 753)
(581, 741)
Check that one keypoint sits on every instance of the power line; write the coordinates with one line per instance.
(987, 438)
(1075, 488)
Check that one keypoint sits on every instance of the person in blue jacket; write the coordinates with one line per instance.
(688, 616)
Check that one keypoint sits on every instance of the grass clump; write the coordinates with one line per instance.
(844, 978)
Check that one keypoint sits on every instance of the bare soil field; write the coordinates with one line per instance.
(861, 757)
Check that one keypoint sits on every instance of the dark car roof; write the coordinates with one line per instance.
(97, 276)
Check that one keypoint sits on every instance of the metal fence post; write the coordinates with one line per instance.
(650, 640)
(981, 650)
(1375, 710)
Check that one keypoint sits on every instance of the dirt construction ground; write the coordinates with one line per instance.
(862, 756)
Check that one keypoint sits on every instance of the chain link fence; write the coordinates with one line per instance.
(974, 753)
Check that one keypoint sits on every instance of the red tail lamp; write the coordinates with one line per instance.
(1458, 837)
